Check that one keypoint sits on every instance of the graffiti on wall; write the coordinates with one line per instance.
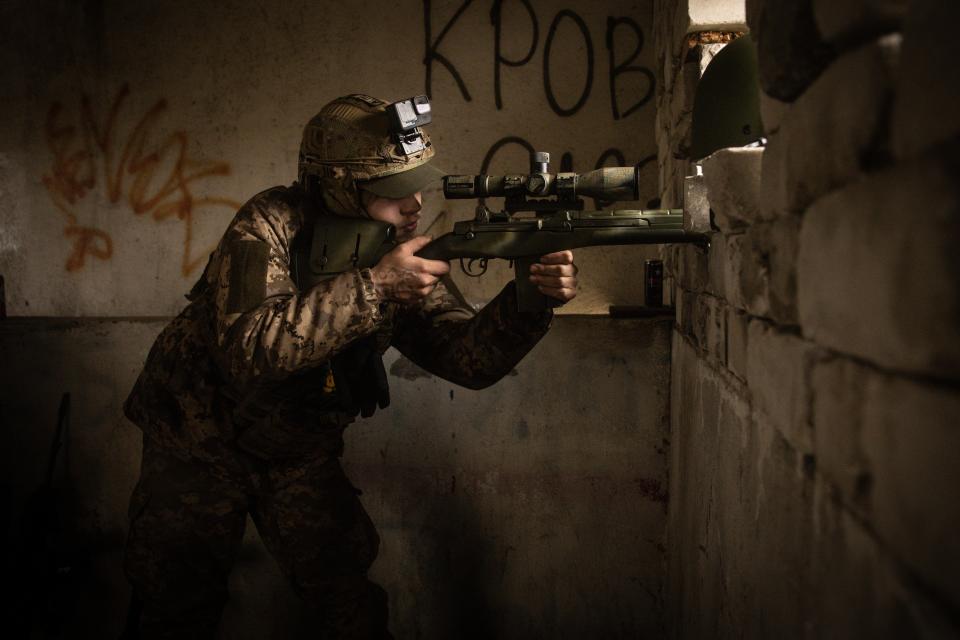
(144, 171)
(619, 34)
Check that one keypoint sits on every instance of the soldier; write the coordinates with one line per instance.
(245, 395)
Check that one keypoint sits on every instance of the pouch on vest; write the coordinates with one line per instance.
(337, 245)
(361, 379)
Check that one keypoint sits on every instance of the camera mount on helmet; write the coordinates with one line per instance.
(406, 118)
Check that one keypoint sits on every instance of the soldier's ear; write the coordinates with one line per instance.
(248, 275)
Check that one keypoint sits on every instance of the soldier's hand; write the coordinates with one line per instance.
(401, 276)
(556, 275)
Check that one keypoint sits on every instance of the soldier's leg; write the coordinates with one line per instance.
(185, 527)
(313, 523)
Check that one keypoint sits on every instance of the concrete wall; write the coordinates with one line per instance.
(816, 372)
(131, 131)
(536, 508)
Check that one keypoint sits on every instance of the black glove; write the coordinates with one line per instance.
(361, 379)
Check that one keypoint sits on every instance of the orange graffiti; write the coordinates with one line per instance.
(89, 240)
(150, 176)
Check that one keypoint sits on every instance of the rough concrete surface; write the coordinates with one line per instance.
(737, 488)
(863, 255)
(852, 19)
(737, 342)
(888, 447)
(778, 374)
(681, 66)
(910, 438)
(726, 255)
(814, 379)
(754, 272)
(759, 547)
(772, 113)
(781, 239)
(535, 508)
(924, 112)
(835, 131)
(790, 50)
(733, 185)
(696, 209)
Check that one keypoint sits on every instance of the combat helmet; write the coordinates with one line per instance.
(360, 142)
(726, 108)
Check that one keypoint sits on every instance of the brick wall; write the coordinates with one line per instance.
(815, 439)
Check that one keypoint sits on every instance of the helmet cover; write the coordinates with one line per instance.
(349, 145)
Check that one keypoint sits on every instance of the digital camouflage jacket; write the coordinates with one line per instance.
(250, 354)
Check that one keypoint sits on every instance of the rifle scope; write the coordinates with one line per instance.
(609, 184)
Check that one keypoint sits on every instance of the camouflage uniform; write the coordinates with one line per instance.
(236, 403)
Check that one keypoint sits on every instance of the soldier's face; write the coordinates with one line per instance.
(403, 213)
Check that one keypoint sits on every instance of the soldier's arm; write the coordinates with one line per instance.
(471, 349)
(265, 328)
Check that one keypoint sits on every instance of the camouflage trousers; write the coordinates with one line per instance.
(187, 522)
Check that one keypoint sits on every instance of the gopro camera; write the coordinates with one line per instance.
(406, 118)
